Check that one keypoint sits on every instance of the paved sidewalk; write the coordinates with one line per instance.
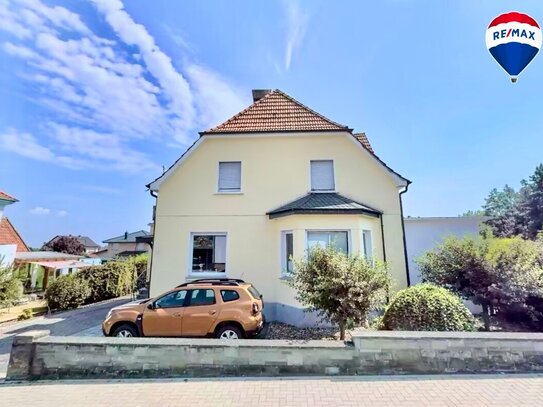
(419, 391)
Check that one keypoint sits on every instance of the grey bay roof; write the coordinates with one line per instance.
(45, 255)
(323, 203)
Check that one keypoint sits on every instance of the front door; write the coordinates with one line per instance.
(166, 317)
(200, 313)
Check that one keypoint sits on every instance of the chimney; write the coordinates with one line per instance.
(260, 93)
(125, 235)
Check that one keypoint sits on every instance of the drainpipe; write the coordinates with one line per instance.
(383, 239)
(403, 234)
(154, 195)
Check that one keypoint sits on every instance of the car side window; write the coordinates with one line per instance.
(229, 295)
(202, 297)
(172, 300)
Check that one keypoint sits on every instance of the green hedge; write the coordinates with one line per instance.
(111, 280)
(426, 307)
(67, 292)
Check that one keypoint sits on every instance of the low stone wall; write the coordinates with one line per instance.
(38, 356)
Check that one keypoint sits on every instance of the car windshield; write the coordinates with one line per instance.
(254, 292)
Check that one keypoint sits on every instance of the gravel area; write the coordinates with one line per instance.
(278, 330)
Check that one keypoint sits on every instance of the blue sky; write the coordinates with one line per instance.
(98, 95)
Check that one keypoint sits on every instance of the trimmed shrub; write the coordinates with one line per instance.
(67, 292)
(426, 307)
(26, 314)
(111, 280)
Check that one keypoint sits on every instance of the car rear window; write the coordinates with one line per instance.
(229, 295)
(254, 292)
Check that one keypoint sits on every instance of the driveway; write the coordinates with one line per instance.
(80, 322)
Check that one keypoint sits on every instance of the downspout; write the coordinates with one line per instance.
(154, 195)
(403, 234)
(383, 239)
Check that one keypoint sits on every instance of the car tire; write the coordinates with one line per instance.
(125, 331)
(229, 332)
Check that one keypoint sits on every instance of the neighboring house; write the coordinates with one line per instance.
(425, 233)
(11, 241)
(266, 185)
(124, 246)
(90, 245)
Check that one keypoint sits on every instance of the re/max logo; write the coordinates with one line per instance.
(514, 33)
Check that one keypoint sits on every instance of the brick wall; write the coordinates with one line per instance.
(37, 356)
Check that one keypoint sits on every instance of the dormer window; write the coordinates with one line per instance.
(230, 176)
(322, 176)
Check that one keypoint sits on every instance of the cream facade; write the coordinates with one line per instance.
(275, 170)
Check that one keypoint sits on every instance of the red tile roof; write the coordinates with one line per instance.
(363, 139)
(9, 235)
(7, 197)
(276, 111)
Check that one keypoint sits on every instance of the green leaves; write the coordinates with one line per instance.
(67, 292)
(339, 287)
(426, 307)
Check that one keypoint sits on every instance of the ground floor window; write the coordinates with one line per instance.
(208, 253)
(338, 239)
(287, 252)
(367, 243)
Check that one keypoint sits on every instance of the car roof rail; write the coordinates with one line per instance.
(214, 281)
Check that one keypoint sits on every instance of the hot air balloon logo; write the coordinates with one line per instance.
(513, 39)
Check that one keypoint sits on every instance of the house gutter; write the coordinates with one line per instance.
(403, 234)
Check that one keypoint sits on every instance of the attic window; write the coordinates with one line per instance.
(322, 175)
(230, 176)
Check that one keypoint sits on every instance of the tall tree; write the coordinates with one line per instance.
(502, 208)
(66, 244)
(531, 205)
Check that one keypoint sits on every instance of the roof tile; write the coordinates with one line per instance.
(9, 235)
(363, 139)
(276, 111)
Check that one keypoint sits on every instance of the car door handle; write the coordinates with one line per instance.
(177, 314)
(212, 312)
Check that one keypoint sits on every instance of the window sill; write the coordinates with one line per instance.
(228, 193)
(285, 277)
(331, 191)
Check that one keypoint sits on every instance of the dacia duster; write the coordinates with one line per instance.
(220, 308)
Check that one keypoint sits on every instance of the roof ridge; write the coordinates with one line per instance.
(311, 110)
(239, 113)
(235, 123)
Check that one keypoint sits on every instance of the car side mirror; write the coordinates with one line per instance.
(151, 306)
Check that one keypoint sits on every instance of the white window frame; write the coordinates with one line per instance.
(370, 256)
(231, 192)
(330, 230)
(283, 251)
(317, 191)
(206, 274)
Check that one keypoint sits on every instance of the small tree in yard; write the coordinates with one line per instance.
(338, 287)
(498, 273)
(11, 288)
(66, 244)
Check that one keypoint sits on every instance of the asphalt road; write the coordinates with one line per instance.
(80, 322)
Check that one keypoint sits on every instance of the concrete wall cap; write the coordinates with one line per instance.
(361, 334)
(30, 336)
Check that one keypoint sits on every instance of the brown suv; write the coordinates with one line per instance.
(220, 308)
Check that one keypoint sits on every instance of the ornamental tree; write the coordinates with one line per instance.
(66, 244)
(498, 273)
(340, 288)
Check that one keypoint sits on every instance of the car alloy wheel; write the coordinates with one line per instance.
(124, 333)
(229, 334)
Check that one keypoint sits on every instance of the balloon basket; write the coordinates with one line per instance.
(513, 80)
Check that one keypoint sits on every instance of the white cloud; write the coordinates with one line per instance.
(297, 21)
(101, 97)
(39, 210)
(62, 213)
(102, 189)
